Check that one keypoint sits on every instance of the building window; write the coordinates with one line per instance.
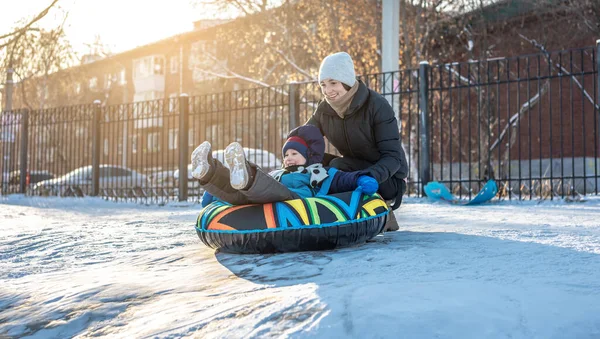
(134, 142)
(122, 77)
(147, 66)
(191, 137)
(39, 156)
(174, 63)
(81, 132)
(141, 68)
(173, 137)
(93, 82)
(173, 102)
(107, 80)
(120, 147)
(159, 65)
(153, 142)
(106, 146)
(50, 154)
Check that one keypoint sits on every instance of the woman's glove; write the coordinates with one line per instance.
(367, 184)
(206, 199)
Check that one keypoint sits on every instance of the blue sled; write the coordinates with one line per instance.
(439, 192)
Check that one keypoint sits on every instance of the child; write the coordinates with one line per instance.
(303, 174)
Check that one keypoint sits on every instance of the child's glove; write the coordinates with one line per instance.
(206, 199)
(367, 184)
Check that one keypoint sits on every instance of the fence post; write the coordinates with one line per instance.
(424, 169)
(23, 150)
(294, 105)
(96, 148)
(184, 114)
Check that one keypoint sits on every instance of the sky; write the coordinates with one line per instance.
(120, 24)
(85, 267)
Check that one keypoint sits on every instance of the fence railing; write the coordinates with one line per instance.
(530, 122)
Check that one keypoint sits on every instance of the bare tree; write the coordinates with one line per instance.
(246, 7)
(286, 43)
(9, 38)
(32, 54)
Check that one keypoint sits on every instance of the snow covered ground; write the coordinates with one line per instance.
(92, 268)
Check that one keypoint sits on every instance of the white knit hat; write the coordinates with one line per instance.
(338, 66)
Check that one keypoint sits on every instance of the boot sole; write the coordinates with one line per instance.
(200, 165)
(236, 161)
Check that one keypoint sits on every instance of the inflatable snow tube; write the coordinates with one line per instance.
(310, 224)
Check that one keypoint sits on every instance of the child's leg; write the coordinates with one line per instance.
(264, 189)
(218, 185)
(256, 185)
(213, 176)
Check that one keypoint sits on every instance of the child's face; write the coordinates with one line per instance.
(333, 89)
(293, 158)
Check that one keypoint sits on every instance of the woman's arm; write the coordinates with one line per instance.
(387, 139)
(344, 181)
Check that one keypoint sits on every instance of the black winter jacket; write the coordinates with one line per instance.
(369, 131)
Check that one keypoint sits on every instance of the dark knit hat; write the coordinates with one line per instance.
(308, 141)
(296, 143)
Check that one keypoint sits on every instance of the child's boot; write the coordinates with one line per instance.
(392, 223)
(236, 161)
(201, 160)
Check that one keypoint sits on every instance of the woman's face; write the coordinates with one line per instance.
(332, 89)
(293, 158)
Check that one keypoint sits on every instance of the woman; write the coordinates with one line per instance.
(362, 126)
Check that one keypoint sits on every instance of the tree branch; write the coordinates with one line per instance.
(517, 116)
(560, 68)
(28, 25)
(233, 75)
(295, 66)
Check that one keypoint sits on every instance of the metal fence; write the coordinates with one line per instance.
(530, 122)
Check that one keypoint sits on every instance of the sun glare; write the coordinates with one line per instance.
(119, 24)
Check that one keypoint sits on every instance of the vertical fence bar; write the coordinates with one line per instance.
(424, 166)
(294, 102)
(23, 151)
(562, 138)
(469, 133)
(96, 148)
(597, 116)
(450, 120)
(184, 115)
(550, 133)
(519, 80)
(572, 111)
(583, 116)
(529, 113)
